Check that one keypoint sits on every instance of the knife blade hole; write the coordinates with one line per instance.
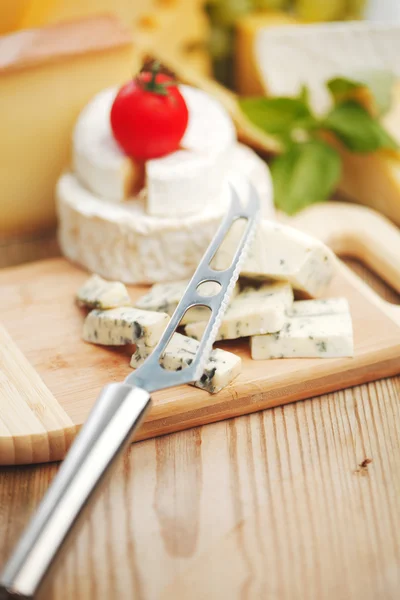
(181, 350)
(226, 251)
(209, 289)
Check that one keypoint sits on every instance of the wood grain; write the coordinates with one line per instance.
(269, 506)
(36, 296)
(27, 405)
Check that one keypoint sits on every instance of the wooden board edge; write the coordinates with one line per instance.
(262, 401)
(51, 446)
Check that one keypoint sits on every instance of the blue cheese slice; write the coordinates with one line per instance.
(165, 297)
(280, 252)
(124, 325)
(312, 336)
(222, 367)
(256, 310)
(328, 306)
(96, 292)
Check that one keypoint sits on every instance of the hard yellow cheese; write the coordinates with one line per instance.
(247, 77)
(46, 77)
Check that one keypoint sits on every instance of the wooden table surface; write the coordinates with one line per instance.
(297, 502)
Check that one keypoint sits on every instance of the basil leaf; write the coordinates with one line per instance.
(372, 87)
(305, 174)
(277, 116)
(342, 88)
(357, 129)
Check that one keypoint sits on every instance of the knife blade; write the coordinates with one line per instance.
(118, 413)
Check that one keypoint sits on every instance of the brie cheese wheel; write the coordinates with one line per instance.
(119, 241)
(181, 182)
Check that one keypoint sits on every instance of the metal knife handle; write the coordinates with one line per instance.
(116, 414)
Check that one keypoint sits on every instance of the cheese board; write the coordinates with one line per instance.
(38, 420)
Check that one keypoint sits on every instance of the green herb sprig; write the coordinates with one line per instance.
(309, 168)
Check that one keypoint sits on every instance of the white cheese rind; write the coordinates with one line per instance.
(280, 252)
(98, 293)
(222, 367)
(185, 181)
(320, 336)
(97, 159)
(124, 325)
(165, 297)
(120, 241)
(256, 310)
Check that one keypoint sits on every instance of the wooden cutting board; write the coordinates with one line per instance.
(39, 415)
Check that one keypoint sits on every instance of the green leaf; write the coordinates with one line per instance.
(342, 88)
(377, 82)
(357, 129)
(305, 174)
(277, 116)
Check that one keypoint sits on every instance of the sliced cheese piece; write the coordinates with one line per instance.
(222, 367)
(180, 183)
(283, 253)
(314, 308)
(119, 241)
(290, 57)
(97, 159)
(59, 68)
(165, 297)
(98, 293)
(256, 310)
(124, 325)
(247, 74)
(316, 336)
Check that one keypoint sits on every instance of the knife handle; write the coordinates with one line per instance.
(109, 428)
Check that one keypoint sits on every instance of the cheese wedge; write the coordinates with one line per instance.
(256, 310)
(290, 57)
(177, 184)
(221, 368)
(98, 293)
(313, 334)
(247, 74)
(46, 77)
(282, 253)
(124, 325)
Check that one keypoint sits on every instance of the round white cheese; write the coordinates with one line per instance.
(179, 183)
(121, 242)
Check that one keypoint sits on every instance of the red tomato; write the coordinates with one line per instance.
(149, 118)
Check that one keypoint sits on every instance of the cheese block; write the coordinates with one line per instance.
(165, 297)
(328, 306)
(120, 242)
(256, 310)
(221, 368)
(196, 172)
(247, 74)
(98, 293)
(171, 26)
(281, 252)
(315, 336)
(46, 78)
(290, 57)
(124, 325)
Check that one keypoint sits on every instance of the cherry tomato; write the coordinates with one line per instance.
(149, 116)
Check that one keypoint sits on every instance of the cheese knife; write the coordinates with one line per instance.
(118, 412)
